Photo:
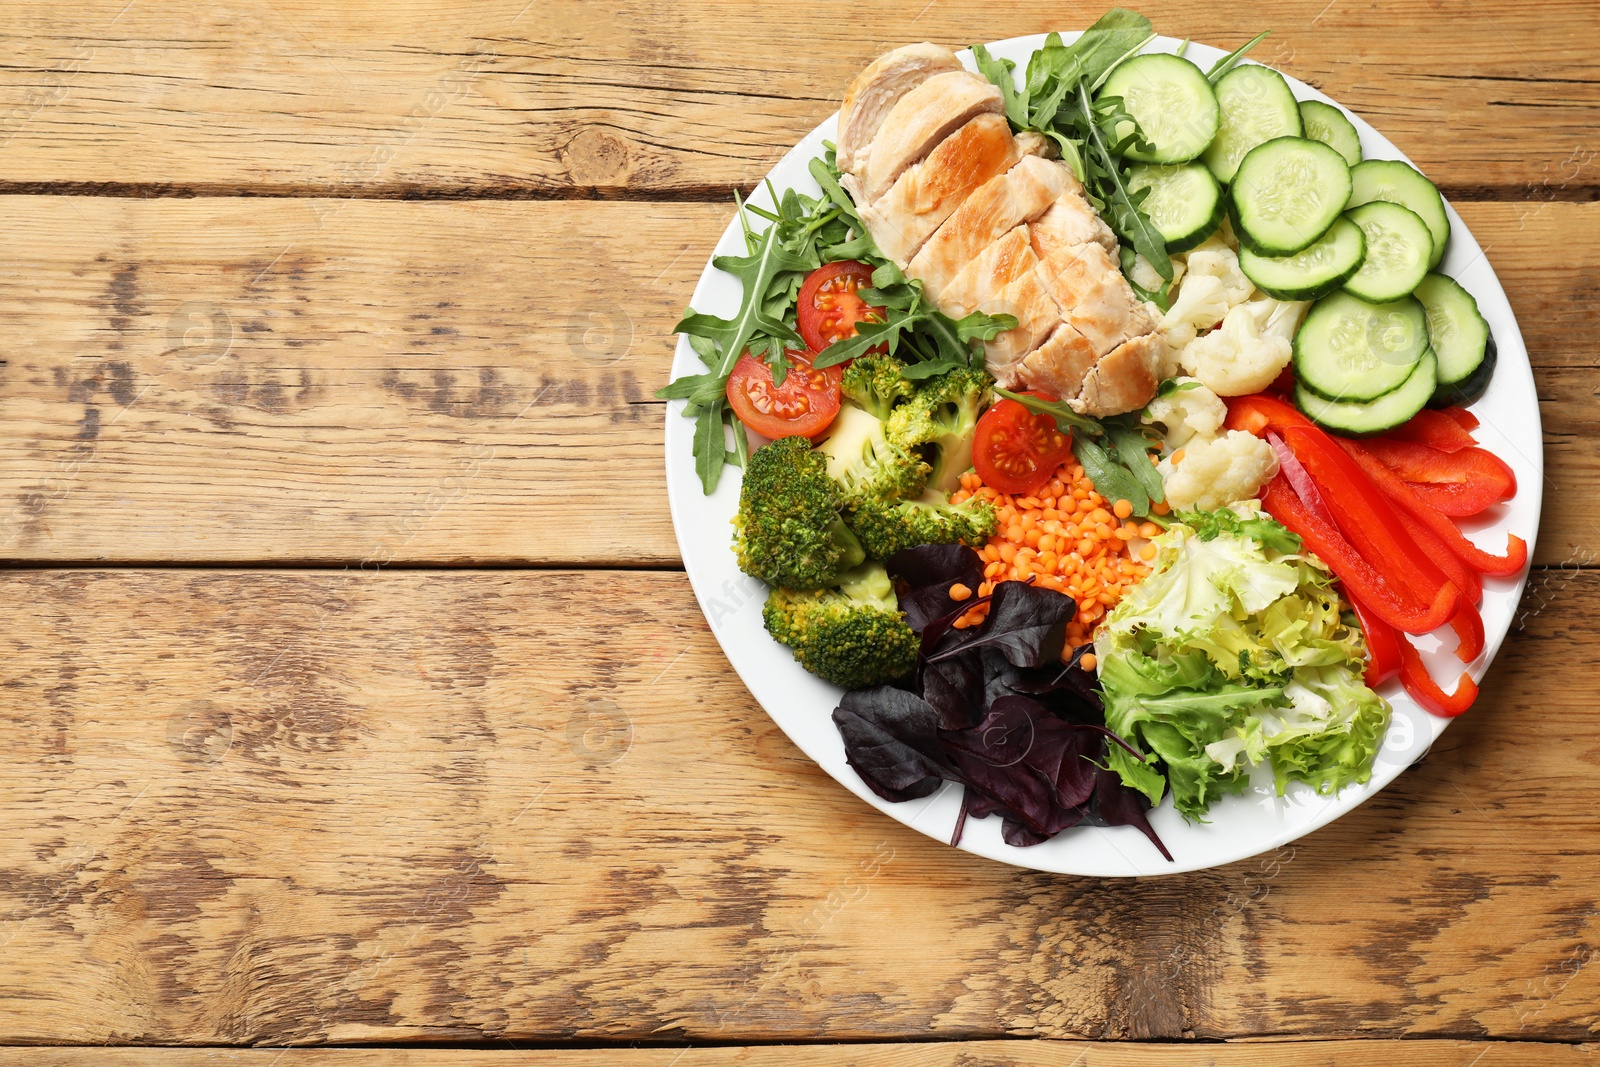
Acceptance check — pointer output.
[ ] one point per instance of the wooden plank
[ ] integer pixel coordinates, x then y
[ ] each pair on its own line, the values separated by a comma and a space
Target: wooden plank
508, 97
266, 808
339, 381
958, 1054
443, 383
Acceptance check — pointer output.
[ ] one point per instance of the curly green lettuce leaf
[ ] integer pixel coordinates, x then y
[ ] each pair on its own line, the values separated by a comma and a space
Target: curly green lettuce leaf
1236, 651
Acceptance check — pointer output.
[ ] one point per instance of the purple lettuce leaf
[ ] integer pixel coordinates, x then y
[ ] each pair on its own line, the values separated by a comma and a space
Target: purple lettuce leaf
891, 739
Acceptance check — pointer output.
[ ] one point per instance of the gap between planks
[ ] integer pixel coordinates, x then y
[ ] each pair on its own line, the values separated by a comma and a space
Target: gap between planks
707, 193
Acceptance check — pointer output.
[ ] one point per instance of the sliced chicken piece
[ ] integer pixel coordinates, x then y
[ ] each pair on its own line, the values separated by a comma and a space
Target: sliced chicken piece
1070, 221
920, 120
1037, 317
1003, 203
996, 267
1094, 296
1059, 366
1034, 143
927, 193
1123, 380
876, 90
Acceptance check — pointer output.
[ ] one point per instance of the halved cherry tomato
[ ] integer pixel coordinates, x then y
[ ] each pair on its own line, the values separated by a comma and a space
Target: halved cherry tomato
829, 307
803, 406
1016, 451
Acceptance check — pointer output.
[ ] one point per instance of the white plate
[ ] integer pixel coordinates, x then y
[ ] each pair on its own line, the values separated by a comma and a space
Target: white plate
1240, 827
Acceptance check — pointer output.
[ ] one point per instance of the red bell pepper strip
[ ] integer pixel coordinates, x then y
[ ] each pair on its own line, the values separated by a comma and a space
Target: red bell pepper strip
1258, 413
1405, 495
1383, 645
1467, 419
1468, 625
1364, 515
1467, 579
1425, 691
1394, 605
1435, 429
1457, 483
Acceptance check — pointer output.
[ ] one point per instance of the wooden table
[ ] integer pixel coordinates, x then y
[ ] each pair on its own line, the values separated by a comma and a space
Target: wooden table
353, 694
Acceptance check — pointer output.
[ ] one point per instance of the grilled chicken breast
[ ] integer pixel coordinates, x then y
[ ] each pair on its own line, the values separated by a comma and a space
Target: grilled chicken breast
1058, 366
990, 271
999, 206
1123, 379
1094, 297
877, 89
920, 120
1037, 317
1070, 221
930, 191
988, 221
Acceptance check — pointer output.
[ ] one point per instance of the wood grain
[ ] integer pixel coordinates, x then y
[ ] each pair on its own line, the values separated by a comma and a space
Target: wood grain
338, 382
959, 1054
508, 97
267, 808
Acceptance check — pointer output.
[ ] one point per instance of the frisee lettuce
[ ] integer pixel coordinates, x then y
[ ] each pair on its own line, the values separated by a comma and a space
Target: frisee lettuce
1236, 651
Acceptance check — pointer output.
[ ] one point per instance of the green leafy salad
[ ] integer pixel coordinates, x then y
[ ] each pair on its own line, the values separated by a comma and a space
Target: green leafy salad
1233, 652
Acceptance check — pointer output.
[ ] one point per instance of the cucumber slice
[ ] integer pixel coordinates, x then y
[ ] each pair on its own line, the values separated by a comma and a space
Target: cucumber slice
1401, 183
1185, 202
1354, 419
1326, 123
1459, 336
1313, 272
1351, 350
1286, 194
1399, 247
1256, 107
1171, 101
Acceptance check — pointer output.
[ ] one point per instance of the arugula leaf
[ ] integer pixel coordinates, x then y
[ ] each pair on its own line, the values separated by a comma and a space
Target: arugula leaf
1127, 219
1111, 479
1002, 73
1231, 60
1068, 420
1129, 54
710, 446
1133, 449
1113, 37
1173, 385
1161, 298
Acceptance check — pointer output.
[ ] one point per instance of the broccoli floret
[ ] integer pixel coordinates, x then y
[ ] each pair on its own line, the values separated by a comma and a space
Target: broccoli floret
865, 463
852, 636
938, 418
888, 526
789, 531
876, 383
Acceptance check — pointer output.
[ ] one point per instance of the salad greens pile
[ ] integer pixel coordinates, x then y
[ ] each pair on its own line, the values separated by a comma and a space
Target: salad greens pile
1235, 651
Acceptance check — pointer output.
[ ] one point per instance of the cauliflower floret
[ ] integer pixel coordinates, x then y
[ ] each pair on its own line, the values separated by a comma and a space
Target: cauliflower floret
1212, 284
1218, 471
1145, 275
1189, 411
1248, 350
